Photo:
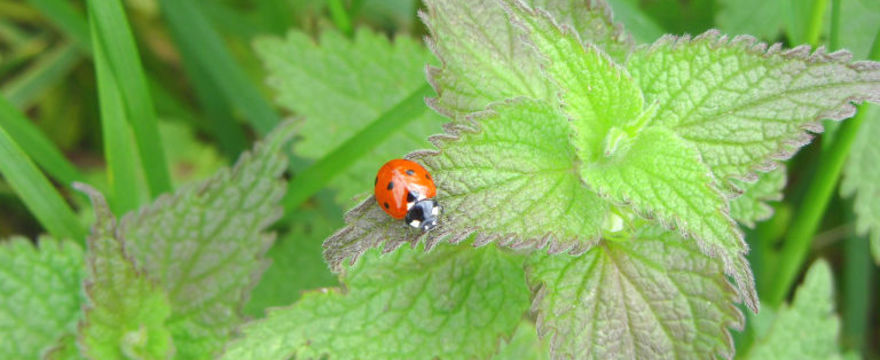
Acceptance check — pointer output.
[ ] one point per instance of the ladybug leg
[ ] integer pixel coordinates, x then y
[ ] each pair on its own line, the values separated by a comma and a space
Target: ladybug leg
411, 199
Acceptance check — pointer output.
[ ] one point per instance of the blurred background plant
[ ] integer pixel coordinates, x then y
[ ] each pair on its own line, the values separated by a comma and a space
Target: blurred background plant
195, 94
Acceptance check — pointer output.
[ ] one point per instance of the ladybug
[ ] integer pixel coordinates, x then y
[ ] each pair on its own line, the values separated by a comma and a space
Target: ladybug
405, 190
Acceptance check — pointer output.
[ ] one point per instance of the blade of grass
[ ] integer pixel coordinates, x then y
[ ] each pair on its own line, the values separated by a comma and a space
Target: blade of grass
277, 15
819, 192
817, 15
857, 286
340, 17
65, 17
34, 143
50, 69
309, 181
198, 40
111, 33
35, 190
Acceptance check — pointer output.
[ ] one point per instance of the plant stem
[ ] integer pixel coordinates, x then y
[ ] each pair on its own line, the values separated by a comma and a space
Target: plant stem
833, 45
819, 193
857, 285
340, 16
814, 29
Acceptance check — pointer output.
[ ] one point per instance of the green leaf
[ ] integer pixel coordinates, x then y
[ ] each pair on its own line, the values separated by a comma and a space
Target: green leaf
752, 206
744, 105
862, 179
807, 328
126, 313
592, 20
40, 298
453, 302
204, 245
502, 167
523, 345
339, 97
653, 296
860, 25
763, 19
661, 176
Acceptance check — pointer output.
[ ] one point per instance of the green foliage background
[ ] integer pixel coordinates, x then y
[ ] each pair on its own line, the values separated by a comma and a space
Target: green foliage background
194, 83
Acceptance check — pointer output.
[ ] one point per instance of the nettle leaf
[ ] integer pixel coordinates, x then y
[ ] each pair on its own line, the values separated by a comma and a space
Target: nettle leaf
126, 314
204, 244
743, 104
862, 178
454, 302
593, 21
650, 297
752, 206
523, 345
501, 178
340, 85
39, 294
807, 328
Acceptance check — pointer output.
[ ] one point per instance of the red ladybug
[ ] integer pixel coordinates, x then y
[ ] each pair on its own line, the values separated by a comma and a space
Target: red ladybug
405, 190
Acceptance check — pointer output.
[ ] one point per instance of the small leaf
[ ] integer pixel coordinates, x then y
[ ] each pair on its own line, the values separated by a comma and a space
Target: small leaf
744, 105
862, 179
504, 178
126, 313
751, 206
204, 245
339, 85
592, 20
453, 302
653, 296
39, 294
807, 328
661, 176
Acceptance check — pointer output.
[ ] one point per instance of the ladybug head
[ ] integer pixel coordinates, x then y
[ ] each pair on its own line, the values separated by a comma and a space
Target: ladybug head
424, 214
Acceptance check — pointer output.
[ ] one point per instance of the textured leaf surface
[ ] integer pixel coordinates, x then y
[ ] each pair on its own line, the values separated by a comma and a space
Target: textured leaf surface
655, 296
592, 20
506, 181
524, 345
752, 206
453, 302
340, 86
204, 245
807, 328
862, 178
126, 313
39, 294
661, 176
744, 105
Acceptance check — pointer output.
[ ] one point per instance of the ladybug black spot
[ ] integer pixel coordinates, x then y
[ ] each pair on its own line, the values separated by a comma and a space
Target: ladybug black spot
428, 176
410, 197
410, 172
386, 205
390, 185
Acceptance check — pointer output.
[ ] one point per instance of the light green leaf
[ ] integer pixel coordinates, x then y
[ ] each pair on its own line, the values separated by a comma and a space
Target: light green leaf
654, 296
763, 19
661, 176
340, 85
501, 178
39, 294
524, 345
752, 206
807, 328
126, 313
744, 105
592, 20
862, 178
204, 244
453, 302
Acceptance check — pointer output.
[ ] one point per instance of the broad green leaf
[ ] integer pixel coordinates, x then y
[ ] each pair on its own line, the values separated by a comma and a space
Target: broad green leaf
508, 177
752, 206
453, 302
654, 296
862, 178
592, 20
744, 105
39, 294
763, 19
807, 328
662, 177
204, 244
126, 313
340, 85
523, 345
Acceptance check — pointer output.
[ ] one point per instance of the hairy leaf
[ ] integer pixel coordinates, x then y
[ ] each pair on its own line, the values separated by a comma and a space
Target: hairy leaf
340, 85
862, 179
523, 345
661, 176
744, 105
204, 245
39, 294
126, 313
503, 178
654, 296
592, 20
807, 328
752, 206
453, 302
